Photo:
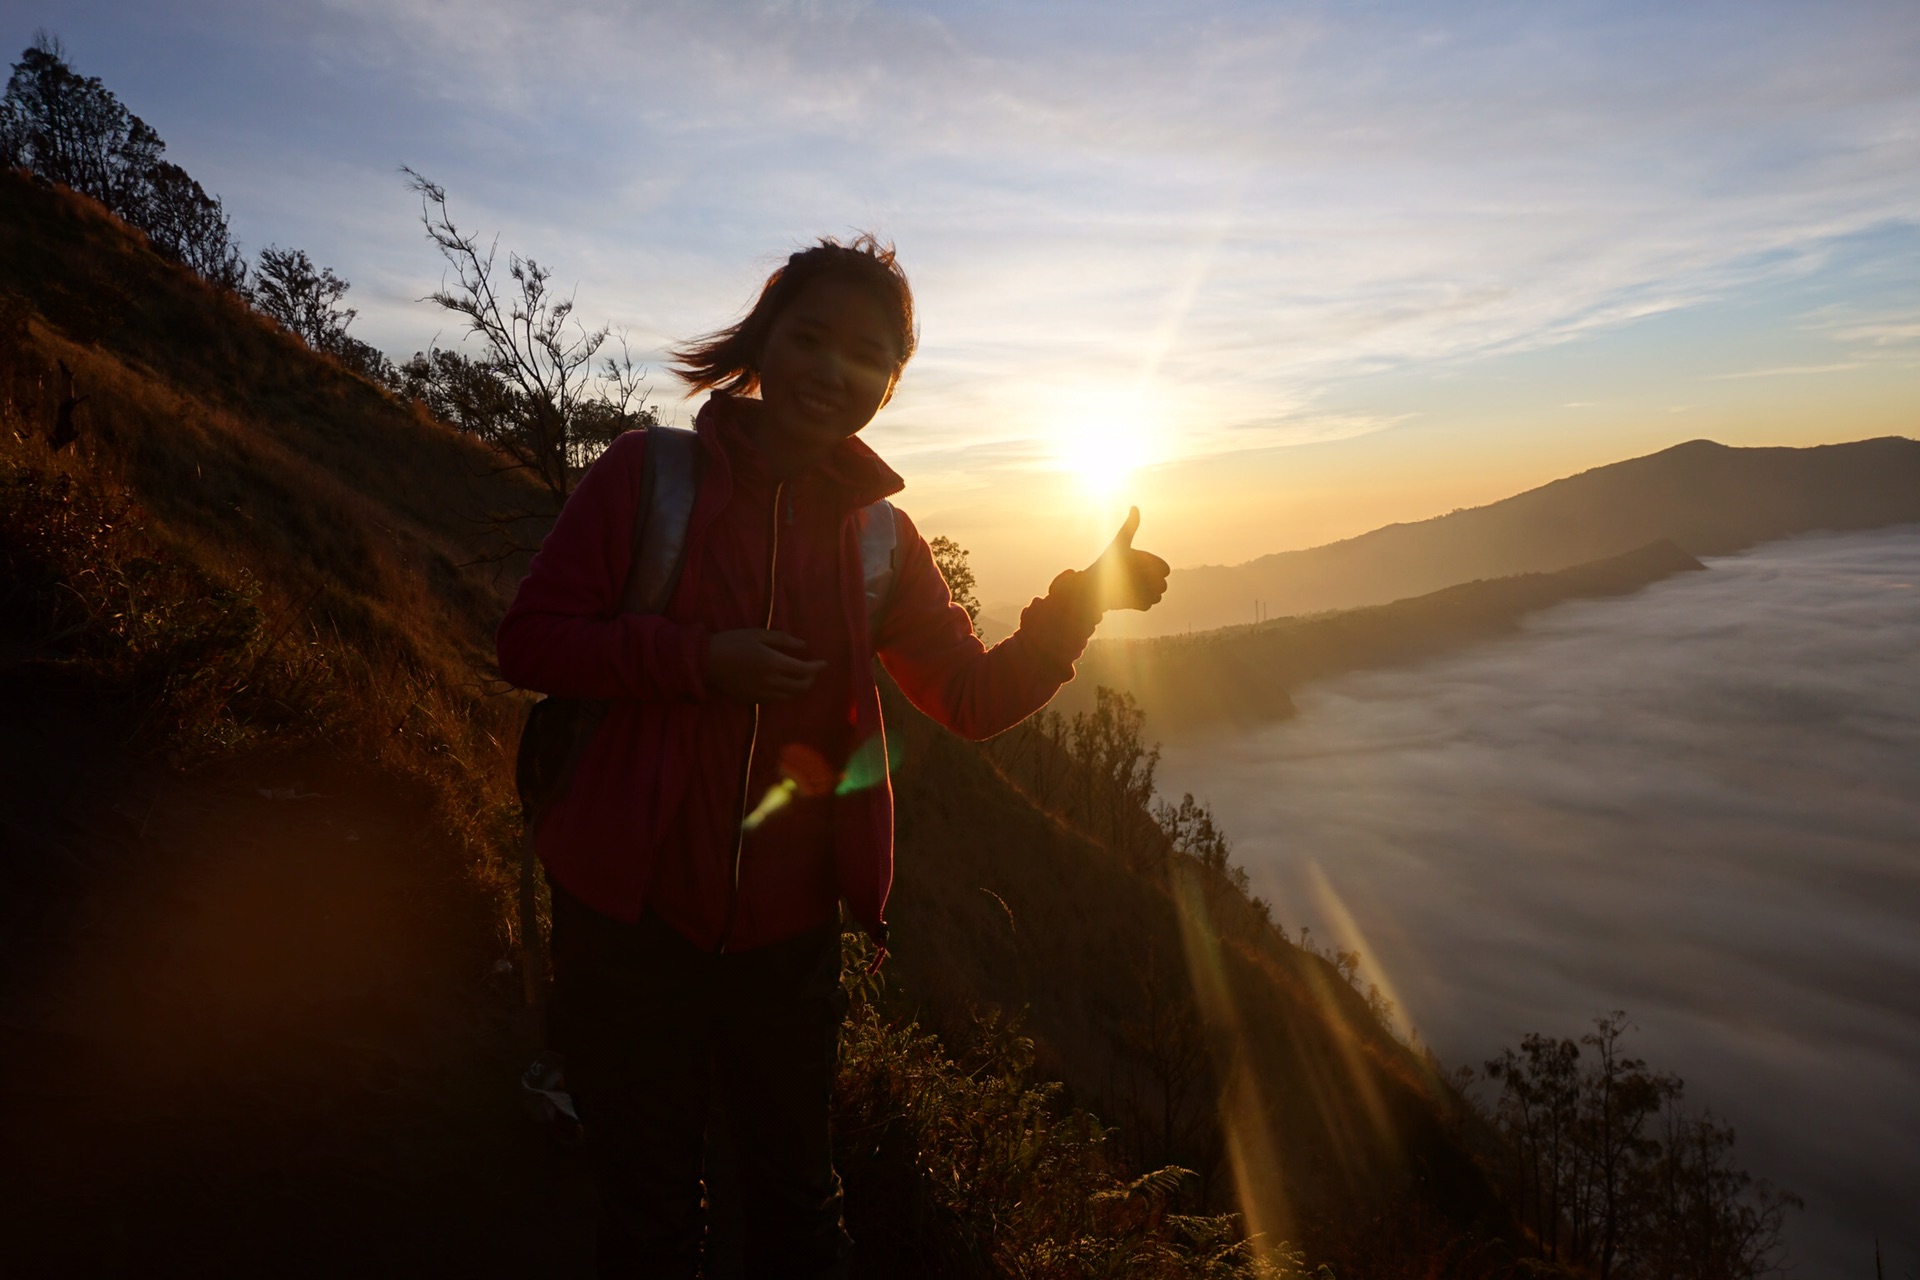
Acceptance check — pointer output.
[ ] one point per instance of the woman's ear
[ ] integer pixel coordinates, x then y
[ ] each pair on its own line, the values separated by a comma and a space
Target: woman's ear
892, 382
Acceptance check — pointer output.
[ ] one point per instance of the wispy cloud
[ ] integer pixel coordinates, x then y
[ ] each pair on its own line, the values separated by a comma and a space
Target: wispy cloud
1890, 331
1238, 209
1787, 371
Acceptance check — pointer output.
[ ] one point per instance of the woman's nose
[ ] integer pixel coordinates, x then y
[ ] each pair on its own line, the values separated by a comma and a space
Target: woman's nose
830, 368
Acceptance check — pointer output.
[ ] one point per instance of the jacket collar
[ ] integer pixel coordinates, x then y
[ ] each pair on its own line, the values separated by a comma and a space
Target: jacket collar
852, 469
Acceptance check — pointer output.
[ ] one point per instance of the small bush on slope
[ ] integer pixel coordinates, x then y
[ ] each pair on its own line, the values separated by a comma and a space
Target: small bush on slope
1003, 1180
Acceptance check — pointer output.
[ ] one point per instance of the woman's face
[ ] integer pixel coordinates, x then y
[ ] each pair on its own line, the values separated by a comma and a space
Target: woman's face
829, 363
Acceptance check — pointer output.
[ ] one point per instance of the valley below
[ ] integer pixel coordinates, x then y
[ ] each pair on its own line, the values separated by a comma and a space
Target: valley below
1699, 803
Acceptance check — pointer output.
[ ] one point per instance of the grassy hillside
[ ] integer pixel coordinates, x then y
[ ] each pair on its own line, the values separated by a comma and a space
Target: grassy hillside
1706, 498
251, 567
245, 548
252, 796
1241, 675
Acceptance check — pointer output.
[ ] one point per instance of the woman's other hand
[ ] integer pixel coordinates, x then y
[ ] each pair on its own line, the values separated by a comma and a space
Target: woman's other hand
759, 666
1125, 577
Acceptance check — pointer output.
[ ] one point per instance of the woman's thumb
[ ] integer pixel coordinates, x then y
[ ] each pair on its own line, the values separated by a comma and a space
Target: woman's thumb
1124, 538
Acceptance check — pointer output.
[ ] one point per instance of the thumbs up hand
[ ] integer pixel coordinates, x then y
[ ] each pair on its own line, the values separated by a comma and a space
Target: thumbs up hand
1125, 577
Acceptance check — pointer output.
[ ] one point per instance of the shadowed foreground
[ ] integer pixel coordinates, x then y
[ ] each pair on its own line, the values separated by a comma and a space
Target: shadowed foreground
256, 1036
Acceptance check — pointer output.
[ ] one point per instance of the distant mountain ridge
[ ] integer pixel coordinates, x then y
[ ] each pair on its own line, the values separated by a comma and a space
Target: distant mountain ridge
1242, 675
1706, 498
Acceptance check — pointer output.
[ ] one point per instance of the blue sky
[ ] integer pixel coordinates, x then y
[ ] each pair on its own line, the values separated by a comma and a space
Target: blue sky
1305, 269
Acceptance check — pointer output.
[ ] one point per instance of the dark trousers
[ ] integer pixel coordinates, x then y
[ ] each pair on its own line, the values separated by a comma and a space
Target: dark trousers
651, 1026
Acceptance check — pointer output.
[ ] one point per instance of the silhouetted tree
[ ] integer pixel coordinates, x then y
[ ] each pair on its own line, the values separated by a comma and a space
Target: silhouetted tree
1619, 1096
71, 129
475, 396
1702, 1218
1110, 742
367, 359
1191, 828
1611, 1175
560, 414
1115, 769
303, 297
620, 406
951, 559
1539, 1102
190, 226
460, 391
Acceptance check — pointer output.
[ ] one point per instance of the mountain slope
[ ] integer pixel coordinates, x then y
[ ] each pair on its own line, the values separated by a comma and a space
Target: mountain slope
1706, 498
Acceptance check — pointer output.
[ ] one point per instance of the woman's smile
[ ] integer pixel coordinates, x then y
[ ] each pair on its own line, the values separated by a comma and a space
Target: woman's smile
818, 406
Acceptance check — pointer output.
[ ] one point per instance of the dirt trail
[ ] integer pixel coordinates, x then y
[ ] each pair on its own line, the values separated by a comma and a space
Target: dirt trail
243, 1035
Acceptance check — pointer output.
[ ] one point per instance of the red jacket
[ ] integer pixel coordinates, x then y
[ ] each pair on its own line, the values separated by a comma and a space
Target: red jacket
655, 807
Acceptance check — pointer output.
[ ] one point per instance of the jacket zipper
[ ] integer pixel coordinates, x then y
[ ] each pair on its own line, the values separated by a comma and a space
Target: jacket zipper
753, 735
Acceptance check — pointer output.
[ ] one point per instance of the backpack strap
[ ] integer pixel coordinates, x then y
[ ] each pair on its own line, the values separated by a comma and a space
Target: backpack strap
879, 556
558, 729
669, 484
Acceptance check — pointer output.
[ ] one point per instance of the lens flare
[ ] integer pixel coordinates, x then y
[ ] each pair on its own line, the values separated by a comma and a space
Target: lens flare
805, 772
1347, 930
1258, 1177
778, 797
866, 768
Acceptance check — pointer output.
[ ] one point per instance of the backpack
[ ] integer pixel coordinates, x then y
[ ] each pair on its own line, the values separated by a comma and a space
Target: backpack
558, 730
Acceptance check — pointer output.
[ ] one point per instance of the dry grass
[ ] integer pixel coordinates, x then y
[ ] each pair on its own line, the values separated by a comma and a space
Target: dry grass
958, 1158
247, 548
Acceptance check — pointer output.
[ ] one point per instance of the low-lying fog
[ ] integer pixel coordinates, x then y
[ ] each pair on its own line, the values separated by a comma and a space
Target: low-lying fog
1700, 804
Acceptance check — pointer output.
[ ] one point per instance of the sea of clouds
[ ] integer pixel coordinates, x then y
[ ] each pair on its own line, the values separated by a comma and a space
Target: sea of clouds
1700, 804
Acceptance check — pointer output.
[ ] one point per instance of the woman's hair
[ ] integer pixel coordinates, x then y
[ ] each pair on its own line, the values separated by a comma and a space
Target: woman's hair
729, 360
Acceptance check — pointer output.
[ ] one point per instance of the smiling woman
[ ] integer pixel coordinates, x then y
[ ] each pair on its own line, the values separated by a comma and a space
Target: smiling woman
733, 797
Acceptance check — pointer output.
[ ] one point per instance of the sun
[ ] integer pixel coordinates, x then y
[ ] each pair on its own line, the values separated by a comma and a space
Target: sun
1101, 439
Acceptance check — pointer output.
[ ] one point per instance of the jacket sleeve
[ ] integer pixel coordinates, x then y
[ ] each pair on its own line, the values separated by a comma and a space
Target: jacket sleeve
927, 644
564, 633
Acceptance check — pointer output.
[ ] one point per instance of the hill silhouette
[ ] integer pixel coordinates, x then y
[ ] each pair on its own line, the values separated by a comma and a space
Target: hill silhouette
1241, 675
259, 821
1706, 498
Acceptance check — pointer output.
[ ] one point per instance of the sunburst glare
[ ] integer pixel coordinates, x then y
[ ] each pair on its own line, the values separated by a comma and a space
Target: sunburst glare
1101, 437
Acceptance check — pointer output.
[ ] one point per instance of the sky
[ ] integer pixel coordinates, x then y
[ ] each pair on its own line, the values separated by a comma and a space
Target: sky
1278, 273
